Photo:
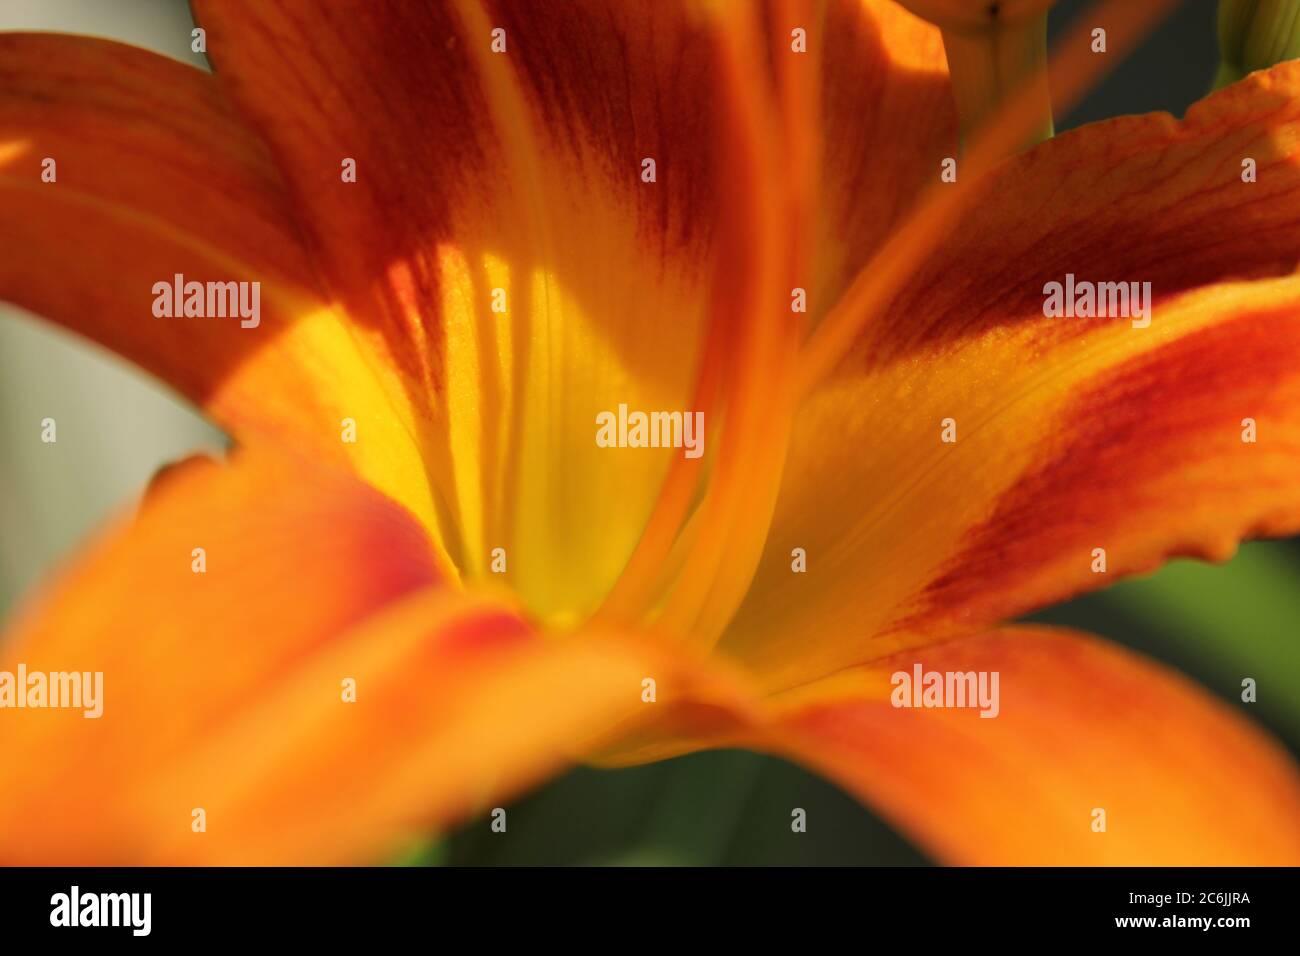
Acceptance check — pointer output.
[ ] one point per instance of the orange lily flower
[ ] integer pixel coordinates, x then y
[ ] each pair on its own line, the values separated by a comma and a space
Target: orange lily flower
421, 585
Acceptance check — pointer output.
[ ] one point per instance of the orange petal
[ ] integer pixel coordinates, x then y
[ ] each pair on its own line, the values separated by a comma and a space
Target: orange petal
155, 176
887, 123
511, 178
1082, 726
1071, 434
224, 690
459, 705
187, 639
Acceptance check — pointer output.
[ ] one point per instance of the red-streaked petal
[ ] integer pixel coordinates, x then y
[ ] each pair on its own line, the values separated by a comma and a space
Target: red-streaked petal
519, 171
155, 176
1071, 434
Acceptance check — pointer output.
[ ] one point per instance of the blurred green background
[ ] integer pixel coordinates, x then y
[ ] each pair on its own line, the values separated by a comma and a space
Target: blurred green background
1218, 624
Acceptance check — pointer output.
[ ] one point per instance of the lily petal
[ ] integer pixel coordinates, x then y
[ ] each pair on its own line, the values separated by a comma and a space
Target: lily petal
1071, 434
224, 690
888, 122
155, 177
500, 161
1083, 726
460, 705
230, 578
